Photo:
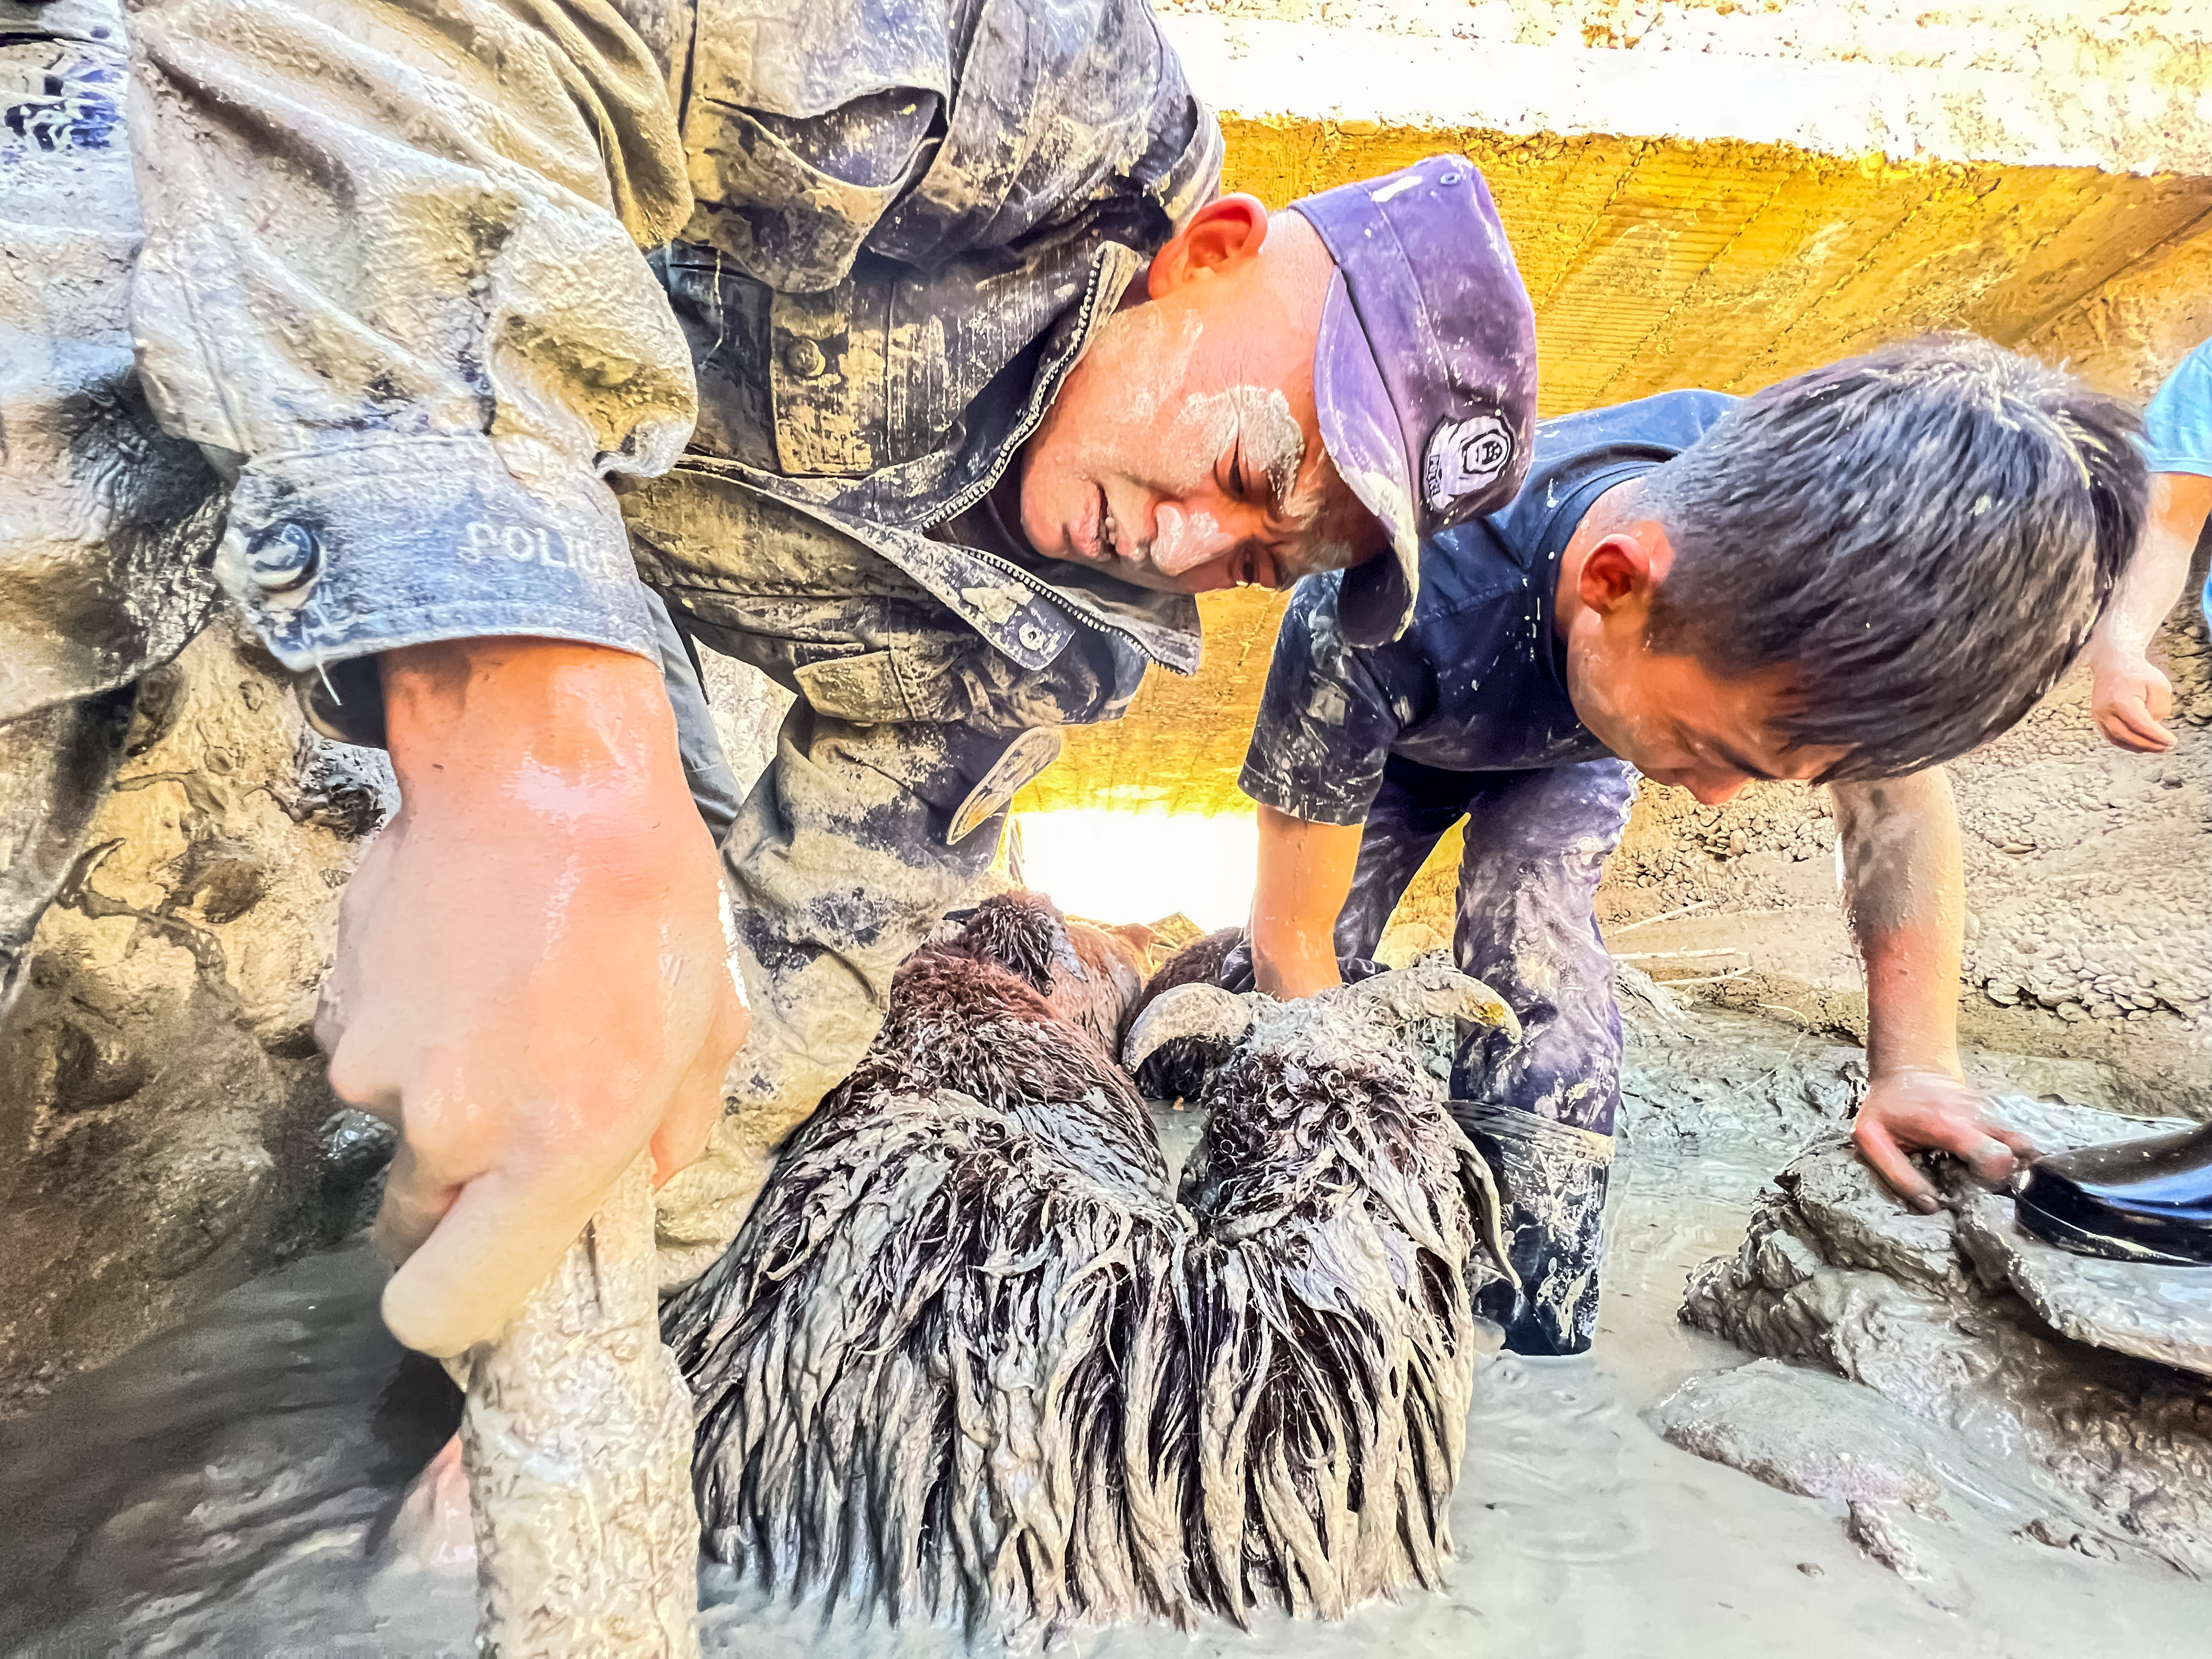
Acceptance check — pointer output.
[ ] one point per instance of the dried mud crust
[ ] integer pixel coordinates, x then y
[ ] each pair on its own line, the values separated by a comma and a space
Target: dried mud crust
1929, 1386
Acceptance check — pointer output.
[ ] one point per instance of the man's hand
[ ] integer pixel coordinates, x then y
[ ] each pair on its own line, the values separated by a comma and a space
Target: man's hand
2129, 696
1904, 889
531, 980
1909, 1110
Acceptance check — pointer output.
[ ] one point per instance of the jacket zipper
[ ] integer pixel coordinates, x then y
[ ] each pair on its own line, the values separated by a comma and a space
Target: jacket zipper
1032, 419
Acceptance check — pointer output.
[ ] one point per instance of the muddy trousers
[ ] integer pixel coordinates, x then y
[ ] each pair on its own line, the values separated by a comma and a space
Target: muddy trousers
1541, 1109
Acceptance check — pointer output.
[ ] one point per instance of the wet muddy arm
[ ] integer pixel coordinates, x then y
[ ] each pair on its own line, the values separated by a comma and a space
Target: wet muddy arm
392, 285
1904, 889
530, 981
1313, 767
530, 977
577, 1438
1305, 874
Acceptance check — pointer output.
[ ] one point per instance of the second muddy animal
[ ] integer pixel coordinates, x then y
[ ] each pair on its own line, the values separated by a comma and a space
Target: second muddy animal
974, 1360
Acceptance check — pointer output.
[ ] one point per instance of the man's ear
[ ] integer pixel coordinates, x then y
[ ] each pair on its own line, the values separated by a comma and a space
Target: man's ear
1225, 233
1617, 573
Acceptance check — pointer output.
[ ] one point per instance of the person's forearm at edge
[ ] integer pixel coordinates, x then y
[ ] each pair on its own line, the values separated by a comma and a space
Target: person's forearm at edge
2129, 696
1903, 890
1306, 872
530, 978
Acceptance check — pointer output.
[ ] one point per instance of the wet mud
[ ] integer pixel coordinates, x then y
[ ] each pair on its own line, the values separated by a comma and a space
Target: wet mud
232, 1487
1956, 1377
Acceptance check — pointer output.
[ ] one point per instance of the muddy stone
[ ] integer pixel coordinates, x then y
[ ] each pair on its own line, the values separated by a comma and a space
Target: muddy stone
1902, 1484
2145, 1308
1944, 1333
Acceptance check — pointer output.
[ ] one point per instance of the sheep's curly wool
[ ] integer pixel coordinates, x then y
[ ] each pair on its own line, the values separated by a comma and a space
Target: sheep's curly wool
971, 1361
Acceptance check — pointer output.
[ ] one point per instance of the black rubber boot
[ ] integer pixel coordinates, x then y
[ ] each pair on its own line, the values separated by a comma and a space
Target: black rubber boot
2130, 1200
1552, 1179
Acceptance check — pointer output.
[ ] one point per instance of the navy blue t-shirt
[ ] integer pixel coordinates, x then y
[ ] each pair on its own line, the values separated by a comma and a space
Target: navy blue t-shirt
1478, 681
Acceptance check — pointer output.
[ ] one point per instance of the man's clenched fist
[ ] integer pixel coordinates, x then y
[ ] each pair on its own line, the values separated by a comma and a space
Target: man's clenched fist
531, 980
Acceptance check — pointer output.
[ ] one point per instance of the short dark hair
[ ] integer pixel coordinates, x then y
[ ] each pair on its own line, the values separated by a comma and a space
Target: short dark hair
1925, 536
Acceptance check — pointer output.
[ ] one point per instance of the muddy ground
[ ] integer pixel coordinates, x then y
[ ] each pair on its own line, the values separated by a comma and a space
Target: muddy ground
231, 1487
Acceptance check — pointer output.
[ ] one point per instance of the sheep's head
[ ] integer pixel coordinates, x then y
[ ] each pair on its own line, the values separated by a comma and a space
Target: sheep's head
1219, 1020
1023, 933
1290, 1079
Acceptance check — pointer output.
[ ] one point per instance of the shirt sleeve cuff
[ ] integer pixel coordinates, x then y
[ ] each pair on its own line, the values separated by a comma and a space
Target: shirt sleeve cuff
1343, 803
339, 555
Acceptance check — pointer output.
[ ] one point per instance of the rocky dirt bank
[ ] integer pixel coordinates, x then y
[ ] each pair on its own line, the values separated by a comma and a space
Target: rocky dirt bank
1951, 1373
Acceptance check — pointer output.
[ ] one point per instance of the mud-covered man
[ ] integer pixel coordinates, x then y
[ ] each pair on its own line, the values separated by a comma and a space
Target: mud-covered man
1847, 579
987, 385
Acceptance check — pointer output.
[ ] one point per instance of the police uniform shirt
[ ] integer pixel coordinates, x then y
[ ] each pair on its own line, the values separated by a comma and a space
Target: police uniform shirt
1478, 681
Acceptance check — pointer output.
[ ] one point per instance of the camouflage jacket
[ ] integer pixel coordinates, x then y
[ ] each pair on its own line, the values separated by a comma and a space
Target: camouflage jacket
392, 282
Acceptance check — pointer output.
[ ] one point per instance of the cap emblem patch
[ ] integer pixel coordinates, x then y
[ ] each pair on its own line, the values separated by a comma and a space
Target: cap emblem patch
1464, 456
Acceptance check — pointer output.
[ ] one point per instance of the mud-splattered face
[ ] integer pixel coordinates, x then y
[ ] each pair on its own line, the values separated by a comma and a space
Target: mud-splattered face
1672, 719
1184, 452
1666, 713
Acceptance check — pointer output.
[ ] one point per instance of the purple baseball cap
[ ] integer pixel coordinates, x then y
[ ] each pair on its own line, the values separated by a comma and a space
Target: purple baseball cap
1425, 372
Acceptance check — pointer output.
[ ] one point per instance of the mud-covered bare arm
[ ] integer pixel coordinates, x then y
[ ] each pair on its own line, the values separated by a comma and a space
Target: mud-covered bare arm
1306, 872
1904, 889
1315, 761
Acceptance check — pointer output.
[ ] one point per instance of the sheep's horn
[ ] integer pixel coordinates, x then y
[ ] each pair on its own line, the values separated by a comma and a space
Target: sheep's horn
1426, 992
1195, 1010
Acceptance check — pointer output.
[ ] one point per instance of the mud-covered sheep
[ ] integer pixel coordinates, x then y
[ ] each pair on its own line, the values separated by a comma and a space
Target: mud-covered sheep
1091, 975
972, 1360
1115, 961
1178, 1068
1199, 962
